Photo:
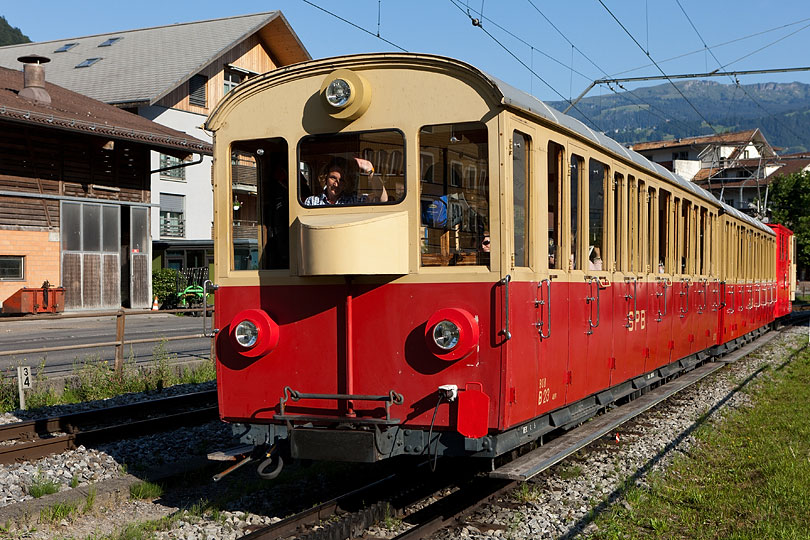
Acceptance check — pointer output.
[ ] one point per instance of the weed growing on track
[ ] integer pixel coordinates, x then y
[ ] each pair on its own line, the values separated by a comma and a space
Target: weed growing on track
94, 379
57, 512
145, 490
41, 486
746, 478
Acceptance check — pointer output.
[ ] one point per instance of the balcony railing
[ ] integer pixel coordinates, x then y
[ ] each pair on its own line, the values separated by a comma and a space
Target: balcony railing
175, 228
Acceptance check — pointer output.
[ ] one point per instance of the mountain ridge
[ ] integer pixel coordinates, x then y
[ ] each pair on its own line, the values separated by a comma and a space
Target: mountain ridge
780, 110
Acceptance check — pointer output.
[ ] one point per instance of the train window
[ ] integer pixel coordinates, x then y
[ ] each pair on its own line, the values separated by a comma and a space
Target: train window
686, 239
353, 168
576, 180
632, 223
618, 229
651, 236
260, 224
597, 174
678, 230
664, 264
701, 242
454, 214
520, 197
641, 227
555, 167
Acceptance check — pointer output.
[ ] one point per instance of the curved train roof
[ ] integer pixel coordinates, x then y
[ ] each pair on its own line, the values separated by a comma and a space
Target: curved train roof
510, 96
524, 101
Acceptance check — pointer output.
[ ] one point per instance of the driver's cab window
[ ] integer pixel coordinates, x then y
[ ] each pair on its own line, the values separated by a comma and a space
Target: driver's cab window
454, 195
349, 169
259, 205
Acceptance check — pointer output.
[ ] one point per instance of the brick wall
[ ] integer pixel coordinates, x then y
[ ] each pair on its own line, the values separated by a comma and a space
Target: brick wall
41, 252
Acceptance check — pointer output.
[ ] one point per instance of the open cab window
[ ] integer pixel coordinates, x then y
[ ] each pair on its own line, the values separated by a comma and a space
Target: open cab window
352, 169
260, 207
454, 174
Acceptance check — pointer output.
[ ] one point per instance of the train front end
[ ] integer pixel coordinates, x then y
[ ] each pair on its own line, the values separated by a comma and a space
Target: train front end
356, 292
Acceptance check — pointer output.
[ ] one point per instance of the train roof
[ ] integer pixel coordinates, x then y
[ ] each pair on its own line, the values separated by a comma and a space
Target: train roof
513, 97
509, 96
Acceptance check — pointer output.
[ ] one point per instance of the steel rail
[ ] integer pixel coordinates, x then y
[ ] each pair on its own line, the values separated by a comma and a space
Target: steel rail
82, 428
479, 491
28, 451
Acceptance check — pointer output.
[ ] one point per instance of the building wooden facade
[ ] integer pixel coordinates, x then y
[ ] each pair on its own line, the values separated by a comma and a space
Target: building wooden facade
75, 195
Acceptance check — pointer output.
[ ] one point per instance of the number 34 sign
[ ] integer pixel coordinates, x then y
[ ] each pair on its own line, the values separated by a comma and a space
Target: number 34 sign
24, 375
23, 381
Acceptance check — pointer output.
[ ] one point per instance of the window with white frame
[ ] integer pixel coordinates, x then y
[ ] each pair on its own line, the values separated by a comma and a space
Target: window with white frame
232, 79
172, 215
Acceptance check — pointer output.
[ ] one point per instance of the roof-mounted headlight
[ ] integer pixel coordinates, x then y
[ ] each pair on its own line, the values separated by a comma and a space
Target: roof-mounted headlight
346, 94
338, 93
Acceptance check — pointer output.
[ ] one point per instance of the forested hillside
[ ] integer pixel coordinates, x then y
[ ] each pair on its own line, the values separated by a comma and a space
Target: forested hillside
780, 110
10, 35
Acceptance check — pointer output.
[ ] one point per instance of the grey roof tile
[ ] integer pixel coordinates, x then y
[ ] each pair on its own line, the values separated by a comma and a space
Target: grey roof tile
145, 64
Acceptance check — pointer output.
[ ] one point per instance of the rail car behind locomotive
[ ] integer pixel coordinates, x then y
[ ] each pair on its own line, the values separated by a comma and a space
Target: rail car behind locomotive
414, 258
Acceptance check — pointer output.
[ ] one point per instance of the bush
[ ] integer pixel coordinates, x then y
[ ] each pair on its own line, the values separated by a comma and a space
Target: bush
164, 285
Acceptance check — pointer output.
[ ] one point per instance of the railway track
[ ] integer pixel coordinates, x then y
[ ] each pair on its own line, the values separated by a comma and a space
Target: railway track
342, 518
38, 438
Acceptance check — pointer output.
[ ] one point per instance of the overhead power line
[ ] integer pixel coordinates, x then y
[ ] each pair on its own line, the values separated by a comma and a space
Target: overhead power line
734, 79
477, 22
350, 23
659, 67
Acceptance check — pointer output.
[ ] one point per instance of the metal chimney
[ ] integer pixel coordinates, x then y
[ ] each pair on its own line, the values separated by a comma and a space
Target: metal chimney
34, 77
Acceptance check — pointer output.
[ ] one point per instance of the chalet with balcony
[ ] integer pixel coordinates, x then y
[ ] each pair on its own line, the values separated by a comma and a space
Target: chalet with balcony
173, 75
75, 199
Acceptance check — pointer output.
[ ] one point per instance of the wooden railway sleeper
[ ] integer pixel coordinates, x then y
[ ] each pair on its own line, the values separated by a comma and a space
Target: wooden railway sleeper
539, 303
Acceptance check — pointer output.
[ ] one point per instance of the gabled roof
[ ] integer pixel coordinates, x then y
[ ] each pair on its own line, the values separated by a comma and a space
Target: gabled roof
724, 138
145, 65
74, 112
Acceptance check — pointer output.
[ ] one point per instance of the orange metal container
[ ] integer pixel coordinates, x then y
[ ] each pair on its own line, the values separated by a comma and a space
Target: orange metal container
36, 300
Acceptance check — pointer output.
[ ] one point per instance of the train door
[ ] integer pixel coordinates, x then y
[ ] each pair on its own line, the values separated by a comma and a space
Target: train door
552, 300
619, 363
683, 288
519, 283
636, 314
589, 338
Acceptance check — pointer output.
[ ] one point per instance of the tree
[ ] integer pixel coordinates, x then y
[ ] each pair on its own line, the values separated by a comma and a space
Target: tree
791, 208
11, 35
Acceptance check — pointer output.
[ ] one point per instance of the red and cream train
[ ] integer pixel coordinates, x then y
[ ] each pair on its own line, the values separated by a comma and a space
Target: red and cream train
504, 271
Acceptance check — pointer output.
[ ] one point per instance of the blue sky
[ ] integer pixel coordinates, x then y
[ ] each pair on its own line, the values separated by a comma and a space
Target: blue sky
566, 43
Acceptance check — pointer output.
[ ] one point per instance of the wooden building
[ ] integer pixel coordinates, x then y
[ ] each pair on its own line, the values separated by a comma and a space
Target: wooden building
173, 75
75, 199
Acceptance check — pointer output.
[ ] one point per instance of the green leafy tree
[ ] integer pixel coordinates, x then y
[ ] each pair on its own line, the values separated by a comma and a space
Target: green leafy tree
790, 205
11, 35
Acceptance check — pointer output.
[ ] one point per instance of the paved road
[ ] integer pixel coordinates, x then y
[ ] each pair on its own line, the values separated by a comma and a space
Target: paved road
18, 334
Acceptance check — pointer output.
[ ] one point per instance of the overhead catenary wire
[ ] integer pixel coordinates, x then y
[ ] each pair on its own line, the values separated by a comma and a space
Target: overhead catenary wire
650, 107
723, 44
734, 80
477, 22
377, 35
714, 129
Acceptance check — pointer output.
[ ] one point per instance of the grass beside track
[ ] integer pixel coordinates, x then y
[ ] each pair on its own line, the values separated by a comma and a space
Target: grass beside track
746, 478
93, 379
